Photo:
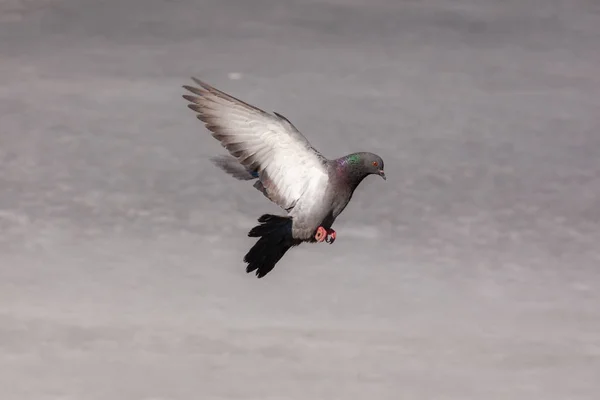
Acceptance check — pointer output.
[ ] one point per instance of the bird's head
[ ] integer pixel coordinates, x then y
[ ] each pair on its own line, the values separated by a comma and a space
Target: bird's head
372, 164
359, 165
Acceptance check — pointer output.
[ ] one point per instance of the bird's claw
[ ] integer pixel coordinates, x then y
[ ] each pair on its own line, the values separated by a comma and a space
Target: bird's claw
327, 235
330, 236
321, 234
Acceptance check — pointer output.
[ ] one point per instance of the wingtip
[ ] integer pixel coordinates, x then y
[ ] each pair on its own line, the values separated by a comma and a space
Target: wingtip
189, 98
195, 107
199, 82
192, 89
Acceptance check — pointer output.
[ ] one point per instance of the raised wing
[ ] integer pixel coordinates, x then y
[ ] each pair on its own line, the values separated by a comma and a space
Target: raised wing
288, 166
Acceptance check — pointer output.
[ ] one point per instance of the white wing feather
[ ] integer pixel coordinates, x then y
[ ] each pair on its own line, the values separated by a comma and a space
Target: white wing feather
289, 168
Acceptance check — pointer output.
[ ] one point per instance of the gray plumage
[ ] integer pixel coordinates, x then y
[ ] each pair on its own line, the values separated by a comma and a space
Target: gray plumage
232, 166
312, 189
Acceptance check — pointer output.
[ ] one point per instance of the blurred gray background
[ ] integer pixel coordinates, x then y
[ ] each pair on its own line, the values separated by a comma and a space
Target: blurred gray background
472, 273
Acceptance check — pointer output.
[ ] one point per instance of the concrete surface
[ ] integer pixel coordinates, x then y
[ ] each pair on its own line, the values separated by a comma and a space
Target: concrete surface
472, 273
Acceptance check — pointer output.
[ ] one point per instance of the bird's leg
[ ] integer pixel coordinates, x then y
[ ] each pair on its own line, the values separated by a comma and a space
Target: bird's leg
321, 234
330, 236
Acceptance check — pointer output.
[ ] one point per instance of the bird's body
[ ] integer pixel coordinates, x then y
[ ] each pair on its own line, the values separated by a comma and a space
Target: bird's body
312, 189
312, 212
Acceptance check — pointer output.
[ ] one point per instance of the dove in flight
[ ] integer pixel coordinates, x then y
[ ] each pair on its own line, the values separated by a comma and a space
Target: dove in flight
268, 149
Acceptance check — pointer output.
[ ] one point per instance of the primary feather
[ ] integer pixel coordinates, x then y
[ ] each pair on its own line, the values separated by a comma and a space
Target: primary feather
289, 168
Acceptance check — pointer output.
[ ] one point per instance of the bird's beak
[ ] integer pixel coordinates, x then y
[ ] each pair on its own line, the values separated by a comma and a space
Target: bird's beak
382, 174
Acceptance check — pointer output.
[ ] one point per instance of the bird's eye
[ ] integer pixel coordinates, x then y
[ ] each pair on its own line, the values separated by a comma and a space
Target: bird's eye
375, 163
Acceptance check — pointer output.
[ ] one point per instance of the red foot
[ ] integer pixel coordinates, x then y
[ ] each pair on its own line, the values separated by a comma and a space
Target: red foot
321, 234
327, 235
330, 236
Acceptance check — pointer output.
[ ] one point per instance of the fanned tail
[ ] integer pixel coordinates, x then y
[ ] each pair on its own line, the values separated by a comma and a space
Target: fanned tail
276, 239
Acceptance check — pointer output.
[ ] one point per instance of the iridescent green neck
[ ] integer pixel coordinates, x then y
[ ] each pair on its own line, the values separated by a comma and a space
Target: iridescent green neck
349, 160
350, 169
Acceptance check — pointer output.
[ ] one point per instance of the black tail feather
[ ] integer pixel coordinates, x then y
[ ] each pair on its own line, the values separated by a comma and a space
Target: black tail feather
276, 239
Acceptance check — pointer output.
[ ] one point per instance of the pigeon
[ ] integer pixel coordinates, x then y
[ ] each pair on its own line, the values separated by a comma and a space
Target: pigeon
268, 149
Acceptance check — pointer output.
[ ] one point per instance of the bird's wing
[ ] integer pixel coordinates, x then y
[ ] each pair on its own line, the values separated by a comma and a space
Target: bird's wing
289, 167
